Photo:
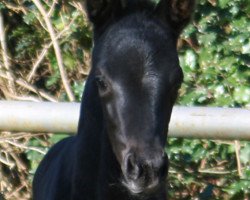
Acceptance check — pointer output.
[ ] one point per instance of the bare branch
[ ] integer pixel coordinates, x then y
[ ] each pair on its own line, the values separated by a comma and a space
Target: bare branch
57, 49
52, 8
5, 55
31, 88
15, 8
6, 162
79, 7
7, 135
22, 146
45, 50
237, 152
21, 98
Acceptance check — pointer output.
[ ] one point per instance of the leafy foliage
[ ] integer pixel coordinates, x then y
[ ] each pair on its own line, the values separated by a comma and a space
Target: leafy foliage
217, 65
214, 55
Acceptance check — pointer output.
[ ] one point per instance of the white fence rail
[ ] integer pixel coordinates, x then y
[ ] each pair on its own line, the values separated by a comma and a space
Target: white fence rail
187, 122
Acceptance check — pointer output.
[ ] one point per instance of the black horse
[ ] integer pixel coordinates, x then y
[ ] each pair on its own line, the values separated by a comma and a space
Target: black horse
118, 153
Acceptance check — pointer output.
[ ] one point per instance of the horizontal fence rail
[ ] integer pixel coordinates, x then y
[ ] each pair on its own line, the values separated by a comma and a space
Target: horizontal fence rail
186, 122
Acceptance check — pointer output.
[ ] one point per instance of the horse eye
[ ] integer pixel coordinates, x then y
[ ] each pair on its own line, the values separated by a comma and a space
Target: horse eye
102, 85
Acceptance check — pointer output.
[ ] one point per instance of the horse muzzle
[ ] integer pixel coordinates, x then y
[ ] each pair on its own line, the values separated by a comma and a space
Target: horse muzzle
144, 174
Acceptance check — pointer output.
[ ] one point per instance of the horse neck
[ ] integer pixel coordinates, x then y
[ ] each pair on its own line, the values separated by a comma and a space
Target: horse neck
90, 126
95, 162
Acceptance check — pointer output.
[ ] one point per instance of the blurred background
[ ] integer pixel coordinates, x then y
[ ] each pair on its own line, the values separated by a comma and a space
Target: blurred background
45, 56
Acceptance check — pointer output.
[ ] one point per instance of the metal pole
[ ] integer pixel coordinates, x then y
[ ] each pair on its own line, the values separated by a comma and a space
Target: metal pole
210, 123
19, 116
186, 122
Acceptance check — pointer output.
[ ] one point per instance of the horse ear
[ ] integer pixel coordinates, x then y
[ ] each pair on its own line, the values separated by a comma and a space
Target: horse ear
176, 12
100, 11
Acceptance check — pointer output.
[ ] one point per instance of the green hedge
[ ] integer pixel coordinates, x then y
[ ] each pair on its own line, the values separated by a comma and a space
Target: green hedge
215, 57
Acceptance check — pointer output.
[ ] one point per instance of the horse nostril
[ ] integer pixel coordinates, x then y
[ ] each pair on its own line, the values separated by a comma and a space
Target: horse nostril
144, 173
132, 169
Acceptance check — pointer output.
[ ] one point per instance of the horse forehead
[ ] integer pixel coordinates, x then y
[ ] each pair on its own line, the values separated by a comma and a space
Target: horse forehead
133, 51
135, 33
138, 40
